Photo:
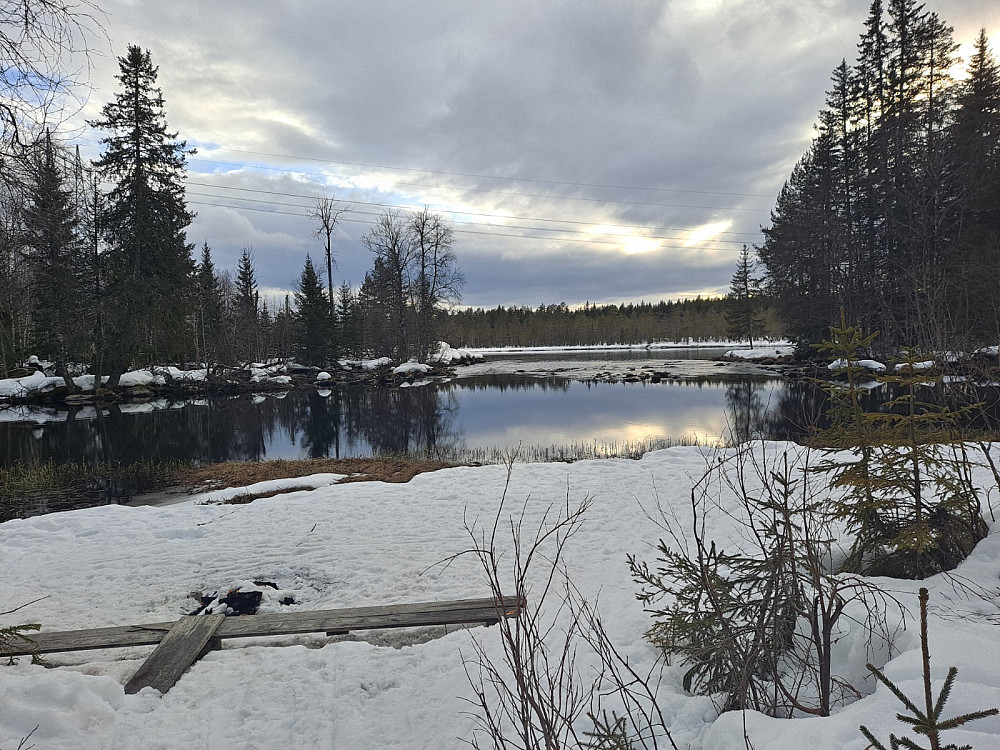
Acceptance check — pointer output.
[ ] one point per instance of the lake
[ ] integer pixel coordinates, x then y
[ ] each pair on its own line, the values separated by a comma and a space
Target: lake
548, 405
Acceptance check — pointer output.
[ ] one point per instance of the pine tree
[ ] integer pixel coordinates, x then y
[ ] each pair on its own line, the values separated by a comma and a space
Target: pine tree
312, 318
149, 265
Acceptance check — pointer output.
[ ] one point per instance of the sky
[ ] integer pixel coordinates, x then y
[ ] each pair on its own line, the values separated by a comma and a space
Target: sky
598, 151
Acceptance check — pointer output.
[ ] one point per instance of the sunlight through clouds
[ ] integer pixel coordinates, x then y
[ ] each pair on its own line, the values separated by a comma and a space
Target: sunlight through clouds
706, 232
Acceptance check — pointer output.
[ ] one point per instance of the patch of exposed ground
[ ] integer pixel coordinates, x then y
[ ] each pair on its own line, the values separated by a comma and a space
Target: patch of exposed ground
241, 474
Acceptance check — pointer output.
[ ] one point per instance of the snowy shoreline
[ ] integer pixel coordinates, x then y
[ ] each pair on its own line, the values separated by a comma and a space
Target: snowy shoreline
371, 543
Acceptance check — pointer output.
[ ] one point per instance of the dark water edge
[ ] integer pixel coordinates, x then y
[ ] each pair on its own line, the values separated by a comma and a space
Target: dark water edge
466, 420
461, 416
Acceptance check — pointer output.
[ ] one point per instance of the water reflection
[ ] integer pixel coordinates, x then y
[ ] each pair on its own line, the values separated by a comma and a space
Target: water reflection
496, 411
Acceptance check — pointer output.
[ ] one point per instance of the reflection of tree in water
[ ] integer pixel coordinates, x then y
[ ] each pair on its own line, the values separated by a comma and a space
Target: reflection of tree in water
747, 410
506, 382
321, 428
398, 420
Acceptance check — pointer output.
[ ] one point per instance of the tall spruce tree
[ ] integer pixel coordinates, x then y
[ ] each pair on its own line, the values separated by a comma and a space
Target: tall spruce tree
975, 174
210, 306
56, 262
246, 323
875, 216
743, 314
148, 265
312, 317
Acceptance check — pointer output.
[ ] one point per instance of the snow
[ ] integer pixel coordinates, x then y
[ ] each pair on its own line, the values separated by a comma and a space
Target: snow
444, 354
411, 368
905, 366
335, 545
654, 345
762, 352
868, 364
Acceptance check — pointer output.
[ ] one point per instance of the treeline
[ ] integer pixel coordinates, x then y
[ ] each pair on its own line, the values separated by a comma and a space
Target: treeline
892, 214
95, 266
699, 319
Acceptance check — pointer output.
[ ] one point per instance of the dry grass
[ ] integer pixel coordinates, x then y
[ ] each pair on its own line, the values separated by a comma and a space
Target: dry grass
241, 474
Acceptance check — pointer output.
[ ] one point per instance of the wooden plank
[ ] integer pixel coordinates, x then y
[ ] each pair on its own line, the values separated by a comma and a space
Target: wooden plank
369, 618
290, 623
180, 648
81, 640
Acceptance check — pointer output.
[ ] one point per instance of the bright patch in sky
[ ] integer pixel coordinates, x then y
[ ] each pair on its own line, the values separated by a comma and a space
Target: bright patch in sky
706, 232
628, 239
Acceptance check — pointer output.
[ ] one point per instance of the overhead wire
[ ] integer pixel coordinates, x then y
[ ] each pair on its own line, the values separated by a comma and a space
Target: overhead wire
459, 212
575, 240
535, 180
546, 196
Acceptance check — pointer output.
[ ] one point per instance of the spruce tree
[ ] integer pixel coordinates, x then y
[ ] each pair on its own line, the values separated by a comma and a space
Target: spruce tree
312, 318
149, 265
246, 308
210, 306
743, 314
56, 262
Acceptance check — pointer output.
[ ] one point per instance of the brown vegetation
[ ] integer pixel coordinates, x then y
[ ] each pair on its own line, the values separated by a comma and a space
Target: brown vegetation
241, 474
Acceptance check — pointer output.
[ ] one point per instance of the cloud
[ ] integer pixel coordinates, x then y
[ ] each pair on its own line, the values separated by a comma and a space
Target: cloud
659, 116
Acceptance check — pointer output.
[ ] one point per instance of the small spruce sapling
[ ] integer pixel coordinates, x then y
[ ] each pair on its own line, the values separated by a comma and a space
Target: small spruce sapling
928, 721
12, 633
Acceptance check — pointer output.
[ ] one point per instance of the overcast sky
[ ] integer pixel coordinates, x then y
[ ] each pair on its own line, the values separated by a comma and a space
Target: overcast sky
583, 150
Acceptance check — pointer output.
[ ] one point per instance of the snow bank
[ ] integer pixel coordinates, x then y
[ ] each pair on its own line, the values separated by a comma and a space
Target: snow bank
868, 364
444, 354
411, 368
357, 544
761, 352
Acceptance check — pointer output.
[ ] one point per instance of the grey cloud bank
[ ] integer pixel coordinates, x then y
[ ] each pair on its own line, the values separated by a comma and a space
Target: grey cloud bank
638, 122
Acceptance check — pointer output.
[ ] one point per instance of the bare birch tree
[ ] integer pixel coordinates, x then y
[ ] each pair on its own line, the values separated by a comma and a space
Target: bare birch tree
327, 212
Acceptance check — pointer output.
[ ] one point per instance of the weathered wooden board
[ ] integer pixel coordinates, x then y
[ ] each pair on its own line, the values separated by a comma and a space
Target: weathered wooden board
82, 640
369, 618
180, 648
319, 621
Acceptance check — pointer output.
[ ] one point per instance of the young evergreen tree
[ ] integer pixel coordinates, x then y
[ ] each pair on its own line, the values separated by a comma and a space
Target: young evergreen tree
347, 319
743, 315
148, 265
312, 317
210, 306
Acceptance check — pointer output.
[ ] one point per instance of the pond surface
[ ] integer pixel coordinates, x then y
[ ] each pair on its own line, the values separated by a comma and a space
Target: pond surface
544, 405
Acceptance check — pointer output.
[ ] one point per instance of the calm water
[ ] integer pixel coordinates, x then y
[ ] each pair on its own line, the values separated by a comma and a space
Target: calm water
486, 412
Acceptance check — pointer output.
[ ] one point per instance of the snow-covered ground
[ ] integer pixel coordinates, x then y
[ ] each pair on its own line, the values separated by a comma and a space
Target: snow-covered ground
342, 545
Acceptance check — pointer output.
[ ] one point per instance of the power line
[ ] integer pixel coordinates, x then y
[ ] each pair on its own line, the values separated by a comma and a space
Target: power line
589, 241
460, 212
492, 177
616, 201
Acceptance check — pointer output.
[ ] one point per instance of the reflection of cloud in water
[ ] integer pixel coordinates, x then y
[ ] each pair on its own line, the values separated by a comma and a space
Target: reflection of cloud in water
596, 413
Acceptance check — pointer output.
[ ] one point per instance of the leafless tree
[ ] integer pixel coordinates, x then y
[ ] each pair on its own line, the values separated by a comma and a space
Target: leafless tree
327, 212
40, 43
438, 278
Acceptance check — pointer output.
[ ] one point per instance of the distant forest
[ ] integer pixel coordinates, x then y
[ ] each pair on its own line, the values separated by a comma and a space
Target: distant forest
692, 320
